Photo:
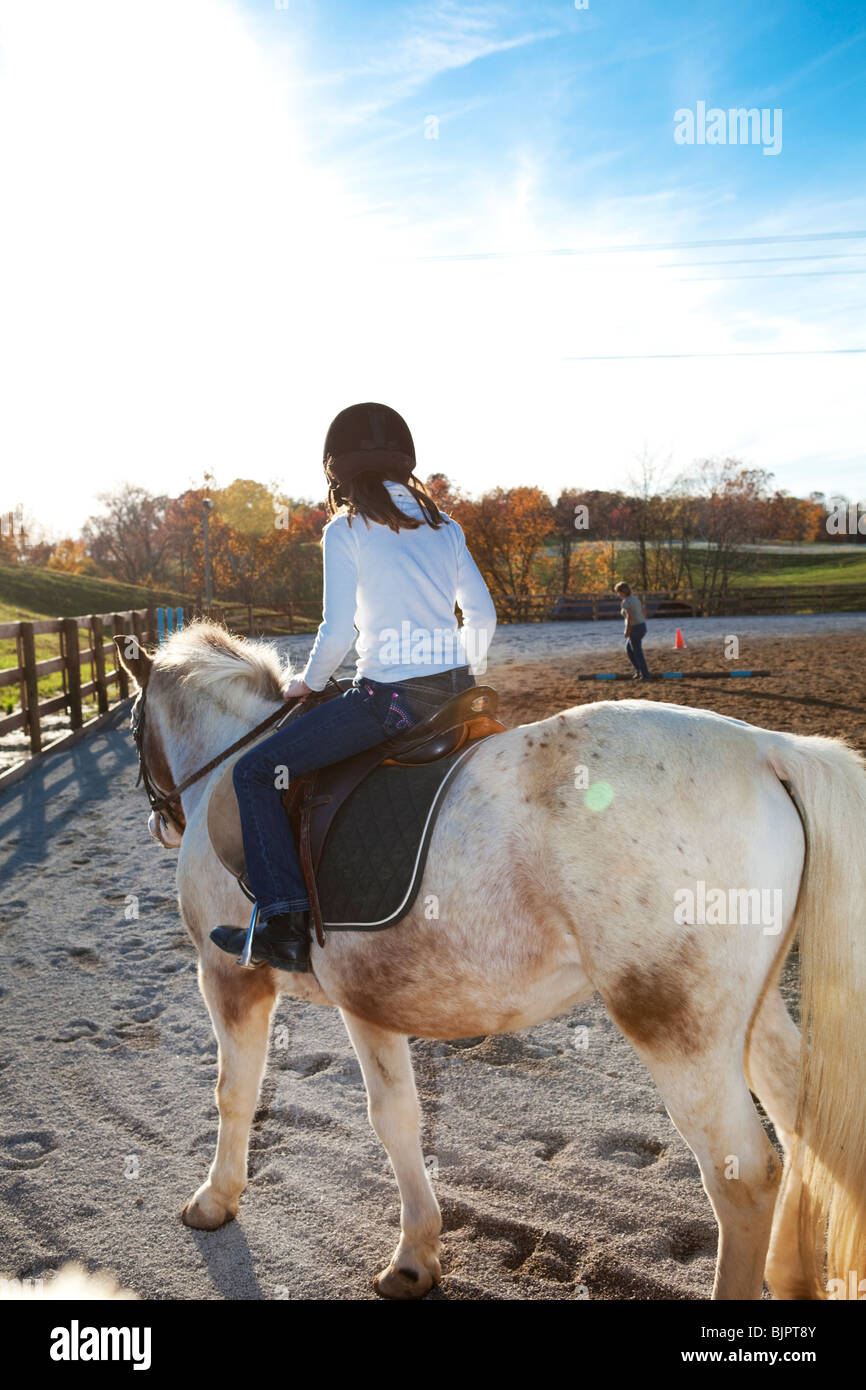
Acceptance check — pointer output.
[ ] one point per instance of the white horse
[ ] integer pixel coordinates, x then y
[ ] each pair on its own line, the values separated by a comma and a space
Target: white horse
563, 861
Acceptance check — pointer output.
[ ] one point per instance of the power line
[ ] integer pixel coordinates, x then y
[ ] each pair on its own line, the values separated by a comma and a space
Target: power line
649, 246
760, 260
680, 356
773, 275
763, 260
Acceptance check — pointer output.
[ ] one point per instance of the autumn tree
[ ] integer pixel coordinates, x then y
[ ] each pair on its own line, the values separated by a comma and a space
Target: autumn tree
22, 539
793, 518
184, 524
129, 540
651, 516
445, 494
70, 556
730, 512
294, 570
268, 550
585, 519
245, 509
506, 531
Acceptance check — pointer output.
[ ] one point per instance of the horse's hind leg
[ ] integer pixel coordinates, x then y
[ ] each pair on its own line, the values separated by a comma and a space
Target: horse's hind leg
240, 1003
772, 1066
709, 1102
395, 1116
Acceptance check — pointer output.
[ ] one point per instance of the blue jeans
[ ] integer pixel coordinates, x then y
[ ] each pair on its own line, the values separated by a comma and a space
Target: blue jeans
634, 650
366, 714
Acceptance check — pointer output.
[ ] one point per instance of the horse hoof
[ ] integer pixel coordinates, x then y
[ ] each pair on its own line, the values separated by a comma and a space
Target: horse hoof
205, 1212
405, 1282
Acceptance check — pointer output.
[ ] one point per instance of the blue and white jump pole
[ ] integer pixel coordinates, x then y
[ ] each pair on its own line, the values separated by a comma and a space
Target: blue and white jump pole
168, 620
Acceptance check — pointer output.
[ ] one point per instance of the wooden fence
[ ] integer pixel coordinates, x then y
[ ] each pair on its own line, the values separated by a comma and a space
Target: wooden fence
595, 606
303, 616
107, 685
257, 620
788, 598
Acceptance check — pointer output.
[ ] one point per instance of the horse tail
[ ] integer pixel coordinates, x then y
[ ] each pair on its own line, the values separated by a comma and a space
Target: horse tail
825, 1174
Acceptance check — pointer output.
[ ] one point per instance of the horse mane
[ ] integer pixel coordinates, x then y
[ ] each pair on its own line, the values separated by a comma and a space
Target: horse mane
205, 655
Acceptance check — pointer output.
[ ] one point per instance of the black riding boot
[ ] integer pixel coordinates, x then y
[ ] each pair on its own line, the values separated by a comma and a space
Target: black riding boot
283, 941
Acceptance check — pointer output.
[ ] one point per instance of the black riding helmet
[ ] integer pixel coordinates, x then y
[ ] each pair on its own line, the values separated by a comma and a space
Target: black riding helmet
369, 438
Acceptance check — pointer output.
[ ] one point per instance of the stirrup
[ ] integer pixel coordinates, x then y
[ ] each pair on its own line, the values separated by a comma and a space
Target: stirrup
291, 954
245, 957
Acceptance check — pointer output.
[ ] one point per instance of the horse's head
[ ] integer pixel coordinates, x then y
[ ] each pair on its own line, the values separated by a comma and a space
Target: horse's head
194, 693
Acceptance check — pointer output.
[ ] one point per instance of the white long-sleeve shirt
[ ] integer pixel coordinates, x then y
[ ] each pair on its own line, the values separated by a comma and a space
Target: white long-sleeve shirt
399, 589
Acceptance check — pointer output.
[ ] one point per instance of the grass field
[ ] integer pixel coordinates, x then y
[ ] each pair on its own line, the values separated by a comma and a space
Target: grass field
778, 570
39, 593
771, 568
33, 593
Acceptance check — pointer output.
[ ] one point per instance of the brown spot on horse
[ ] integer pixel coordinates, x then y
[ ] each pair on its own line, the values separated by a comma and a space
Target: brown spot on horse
653, 1004
239, 992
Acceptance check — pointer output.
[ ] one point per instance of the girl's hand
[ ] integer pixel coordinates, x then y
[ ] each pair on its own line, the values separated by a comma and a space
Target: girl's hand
297, 689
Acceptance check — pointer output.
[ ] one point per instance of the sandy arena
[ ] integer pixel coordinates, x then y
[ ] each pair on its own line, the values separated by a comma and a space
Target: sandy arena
559, 1173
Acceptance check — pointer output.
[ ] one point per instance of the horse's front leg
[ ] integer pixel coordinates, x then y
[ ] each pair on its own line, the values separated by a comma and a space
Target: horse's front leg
395, 1116
240, 1003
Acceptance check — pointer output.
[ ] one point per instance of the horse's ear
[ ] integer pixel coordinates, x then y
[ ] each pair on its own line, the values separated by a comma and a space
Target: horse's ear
133, 658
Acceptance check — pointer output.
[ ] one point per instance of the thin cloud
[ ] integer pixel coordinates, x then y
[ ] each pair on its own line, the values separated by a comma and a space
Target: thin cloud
443, 40
799, 73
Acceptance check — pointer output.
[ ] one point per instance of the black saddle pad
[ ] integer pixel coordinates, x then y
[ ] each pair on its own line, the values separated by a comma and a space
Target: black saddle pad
373, 859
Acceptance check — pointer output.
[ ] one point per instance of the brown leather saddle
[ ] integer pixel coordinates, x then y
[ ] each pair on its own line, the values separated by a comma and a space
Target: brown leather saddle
313, 801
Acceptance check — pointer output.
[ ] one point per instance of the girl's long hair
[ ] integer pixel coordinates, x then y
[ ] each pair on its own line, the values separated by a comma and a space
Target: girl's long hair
366, 496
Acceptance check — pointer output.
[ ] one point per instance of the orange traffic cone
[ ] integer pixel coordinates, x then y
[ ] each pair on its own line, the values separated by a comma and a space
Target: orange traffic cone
679, 644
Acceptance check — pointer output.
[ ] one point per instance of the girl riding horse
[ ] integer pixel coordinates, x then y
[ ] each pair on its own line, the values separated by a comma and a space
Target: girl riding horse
394, 565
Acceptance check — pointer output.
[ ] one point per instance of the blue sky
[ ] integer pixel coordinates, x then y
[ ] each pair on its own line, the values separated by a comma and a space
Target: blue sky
226, 221
583, 99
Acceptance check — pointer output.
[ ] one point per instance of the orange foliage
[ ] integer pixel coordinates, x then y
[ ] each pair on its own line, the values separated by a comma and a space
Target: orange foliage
506, 531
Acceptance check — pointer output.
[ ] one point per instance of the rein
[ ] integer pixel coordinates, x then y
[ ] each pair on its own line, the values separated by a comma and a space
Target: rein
161, 801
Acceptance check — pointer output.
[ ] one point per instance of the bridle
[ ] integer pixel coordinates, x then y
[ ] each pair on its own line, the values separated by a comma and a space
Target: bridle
160, 801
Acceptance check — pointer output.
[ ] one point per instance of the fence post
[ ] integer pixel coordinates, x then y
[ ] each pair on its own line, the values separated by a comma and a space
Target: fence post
72, 658
138, 630
22, 681
31, 685
97, 641
122, 677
